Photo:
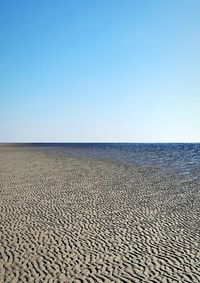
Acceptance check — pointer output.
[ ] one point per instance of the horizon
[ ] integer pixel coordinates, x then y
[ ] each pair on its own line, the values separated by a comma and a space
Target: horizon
87, 142
100, 72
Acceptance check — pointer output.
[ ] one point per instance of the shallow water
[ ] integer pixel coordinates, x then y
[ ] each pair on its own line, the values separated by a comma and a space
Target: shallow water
180, 159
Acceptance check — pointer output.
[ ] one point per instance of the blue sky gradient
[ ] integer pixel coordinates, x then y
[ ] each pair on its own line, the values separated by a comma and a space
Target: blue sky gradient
100, 70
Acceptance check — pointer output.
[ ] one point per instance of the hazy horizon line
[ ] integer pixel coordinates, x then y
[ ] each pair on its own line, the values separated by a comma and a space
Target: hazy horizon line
102, 142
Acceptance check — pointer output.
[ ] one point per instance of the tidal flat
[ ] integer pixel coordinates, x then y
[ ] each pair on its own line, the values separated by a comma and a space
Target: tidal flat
99, 213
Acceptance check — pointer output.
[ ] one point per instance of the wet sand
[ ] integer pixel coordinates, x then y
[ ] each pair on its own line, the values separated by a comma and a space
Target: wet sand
65, 219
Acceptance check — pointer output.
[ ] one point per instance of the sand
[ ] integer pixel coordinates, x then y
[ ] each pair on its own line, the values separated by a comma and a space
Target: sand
65, 219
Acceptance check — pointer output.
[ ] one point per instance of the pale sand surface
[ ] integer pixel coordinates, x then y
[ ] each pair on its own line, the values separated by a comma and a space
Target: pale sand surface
65, 219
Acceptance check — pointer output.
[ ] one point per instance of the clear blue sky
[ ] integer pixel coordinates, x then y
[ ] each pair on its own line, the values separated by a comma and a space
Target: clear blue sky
100, 70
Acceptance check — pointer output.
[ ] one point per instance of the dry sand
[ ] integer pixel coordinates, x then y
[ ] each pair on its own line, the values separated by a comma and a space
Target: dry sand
65, 219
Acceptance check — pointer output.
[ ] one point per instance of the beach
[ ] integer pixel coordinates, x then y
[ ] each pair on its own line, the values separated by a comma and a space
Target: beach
75, 219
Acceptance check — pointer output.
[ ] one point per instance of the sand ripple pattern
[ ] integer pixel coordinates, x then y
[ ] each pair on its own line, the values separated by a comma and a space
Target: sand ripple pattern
66, 219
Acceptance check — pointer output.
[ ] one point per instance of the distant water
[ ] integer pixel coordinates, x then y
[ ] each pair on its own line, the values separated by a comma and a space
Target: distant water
182, 159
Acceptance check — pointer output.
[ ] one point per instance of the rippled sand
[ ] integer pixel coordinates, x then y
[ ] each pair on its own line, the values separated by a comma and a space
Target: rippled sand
65, 219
